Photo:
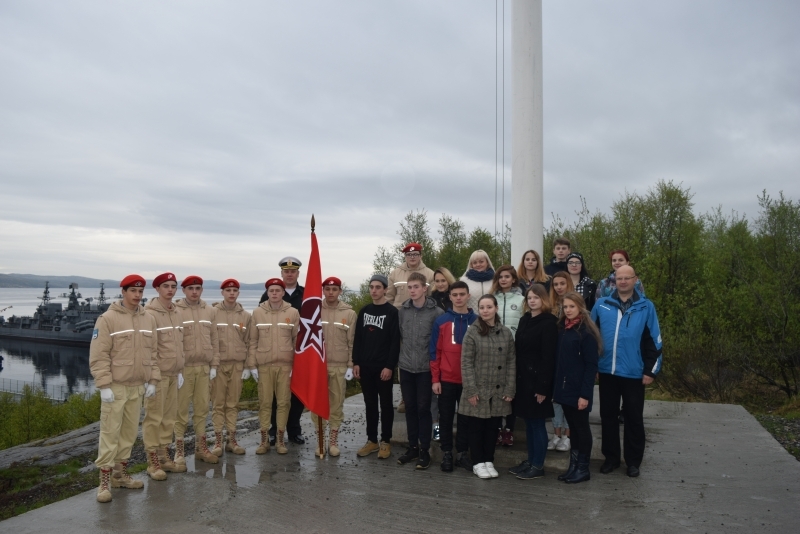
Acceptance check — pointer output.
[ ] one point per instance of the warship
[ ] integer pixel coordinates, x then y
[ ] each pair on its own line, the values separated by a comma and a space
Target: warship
53, 324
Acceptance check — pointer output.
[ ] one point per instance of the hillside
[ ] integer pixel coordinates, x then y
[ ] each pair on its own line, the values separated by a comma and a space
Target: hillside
57, 282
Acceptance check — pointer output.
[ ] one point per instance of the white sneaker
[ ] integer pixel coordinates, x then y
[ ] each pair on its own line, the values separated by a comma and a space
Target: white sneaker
551, 445
492, 471
481, 471
564, 444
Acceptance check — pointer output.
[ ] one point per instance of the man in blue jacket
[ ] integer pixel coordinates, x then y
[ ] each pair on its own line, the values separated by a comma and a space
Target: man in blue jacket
631, 360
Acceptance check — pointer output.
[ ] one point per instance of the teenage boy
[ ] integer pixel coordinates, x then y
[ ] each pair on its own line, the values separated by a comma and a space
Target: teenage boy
271, 355
201, 355
233, 330
417, 316
445, 353
338, 327
161, 410
630, 361
290, 272
397, 293
376, 348
122, 359
561, 249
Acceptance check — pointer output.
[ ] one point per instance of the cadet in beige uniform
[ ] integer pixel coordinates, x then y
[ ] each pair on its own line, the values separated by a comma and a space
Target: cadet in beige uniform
273, 333
233, 332
160, 410
122, 360
201, 354
338, 328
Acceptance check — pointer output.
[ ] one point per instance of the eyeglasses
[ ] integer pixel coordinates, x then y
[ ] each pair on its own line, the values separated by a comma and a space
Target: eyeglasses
573, 263
413, 255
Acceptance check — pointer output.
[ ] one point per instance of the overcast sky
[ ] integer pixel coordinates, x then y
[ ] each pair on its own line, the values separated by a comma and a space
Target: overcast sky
199, 137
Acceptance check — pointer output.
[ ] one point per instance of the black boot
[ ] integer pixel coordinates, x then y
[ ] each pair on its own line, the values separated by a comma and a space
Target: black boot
573, 464
581, 472
412, 453
464, 461
447, 462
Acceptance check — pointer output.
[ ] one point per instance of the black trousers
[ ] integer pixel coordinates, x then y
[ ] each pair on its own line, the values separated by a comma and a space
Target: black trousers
482, 438
416, 389
448, 402
293, 423
580, 433
377, 391
631, 390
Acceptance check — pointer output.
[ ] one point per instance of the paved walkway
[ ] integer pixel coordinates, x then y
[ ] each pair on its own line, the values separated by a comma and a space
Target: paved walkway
707, 468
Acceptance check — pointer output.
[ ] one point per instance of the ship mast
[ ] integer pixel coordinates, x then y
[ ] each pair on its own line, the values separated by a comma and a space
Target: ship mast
102, 298
45, 298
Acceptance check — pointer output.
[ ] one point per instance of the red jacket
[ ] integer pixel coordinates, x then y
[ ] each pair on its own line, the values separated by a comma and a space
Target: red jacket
445, 346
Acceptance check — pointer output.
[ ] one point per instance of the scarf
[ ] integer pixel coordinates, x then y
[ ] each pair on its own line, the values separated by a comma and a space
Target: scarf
569, 323
480, 276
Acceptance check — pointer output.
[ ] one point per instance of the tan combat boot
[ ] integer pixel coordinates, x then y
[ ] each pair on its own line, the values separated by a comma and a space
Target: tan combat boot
280, 445
217, 450
333, 447
103, 490
385, 450
154, 466
180, 458
121, 479
232, 445
167, 464
263, 447
201, 451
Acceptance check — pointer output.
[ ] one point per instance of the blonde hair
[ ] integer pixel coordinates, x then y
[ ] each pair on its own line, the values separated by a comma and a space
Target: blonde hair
586, 319
541, 292
539, 276
444, 271
474, 256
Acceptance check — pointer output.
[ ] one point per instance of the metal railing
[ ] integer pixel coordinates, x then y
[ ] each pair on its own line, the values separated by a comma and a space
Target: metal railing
17, 388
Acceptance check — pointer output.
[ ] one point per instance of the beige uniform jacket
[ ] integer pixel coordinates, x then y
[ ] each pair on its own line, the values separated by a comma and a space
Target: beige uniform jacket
272, 336
339, 331
200, 341
233, 332
169, 333
397, 293
123, 348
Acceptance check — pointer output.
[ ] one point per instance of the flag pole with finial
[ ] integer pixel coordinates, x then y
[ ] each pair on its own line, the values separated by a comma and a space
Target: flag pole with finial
320, 430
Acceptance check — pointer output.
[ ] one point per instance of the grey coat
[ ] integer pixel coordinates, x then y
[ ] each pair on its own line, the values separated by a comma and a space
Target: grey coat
489, 370
416, 325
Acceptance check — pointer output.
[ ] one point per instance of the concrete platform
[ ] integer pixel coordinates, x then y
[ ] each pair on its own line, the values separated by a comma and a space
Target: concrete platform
707, 468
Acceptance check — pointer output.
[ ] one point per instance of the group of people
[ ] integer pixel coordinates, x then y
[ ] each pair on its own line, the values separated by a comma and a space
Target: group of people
479, 352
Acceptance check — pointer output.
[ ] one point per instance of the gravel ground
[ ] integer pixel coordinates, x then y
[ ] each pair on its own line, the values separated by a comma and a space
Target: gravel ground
786, 431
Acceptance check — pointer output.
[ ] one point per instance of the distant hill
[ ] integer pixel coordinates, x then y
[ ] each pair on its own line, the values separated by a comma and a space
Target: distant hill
58, 282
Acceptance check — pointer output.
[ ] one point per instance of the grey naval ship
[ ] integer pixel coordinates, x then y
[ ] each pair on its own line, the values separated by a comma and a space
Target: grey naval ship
53, 324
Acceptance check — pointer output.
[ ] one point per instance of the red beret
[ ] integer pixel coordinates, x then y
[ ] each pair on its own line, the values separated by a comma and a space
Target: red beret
192, 280
412, 247
275, 282
133, 280
164, 277
230, 282
332, 281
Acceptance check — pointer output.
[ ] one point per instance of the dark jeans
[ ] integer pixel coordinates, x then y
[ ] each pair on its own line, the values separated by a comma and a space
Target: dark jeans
293, 423
416, 388
374, 389
482, 438
536, 436
448, 400
580, 433
631, 390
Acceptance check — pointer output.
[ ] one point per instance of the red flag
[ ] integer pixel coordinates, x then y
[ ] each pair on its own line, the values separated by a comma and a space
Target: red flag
310, 371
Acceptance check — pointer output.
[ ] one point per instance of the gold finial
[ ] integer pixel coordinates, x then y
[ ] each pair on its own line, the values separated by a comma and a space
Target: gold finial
313, 223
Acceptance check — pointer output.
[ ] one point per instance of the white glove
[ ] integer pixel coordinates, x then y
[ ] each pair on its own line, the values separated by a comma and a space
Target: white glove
106, 395
245, 374
213, 374
149, 390
290, 373
180, 380
254, 374
348, 375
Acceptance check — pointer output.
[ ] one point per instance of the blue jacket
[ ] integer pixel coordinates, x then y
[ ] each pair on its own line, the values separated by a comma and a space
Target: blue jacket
576, 366
631, 341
